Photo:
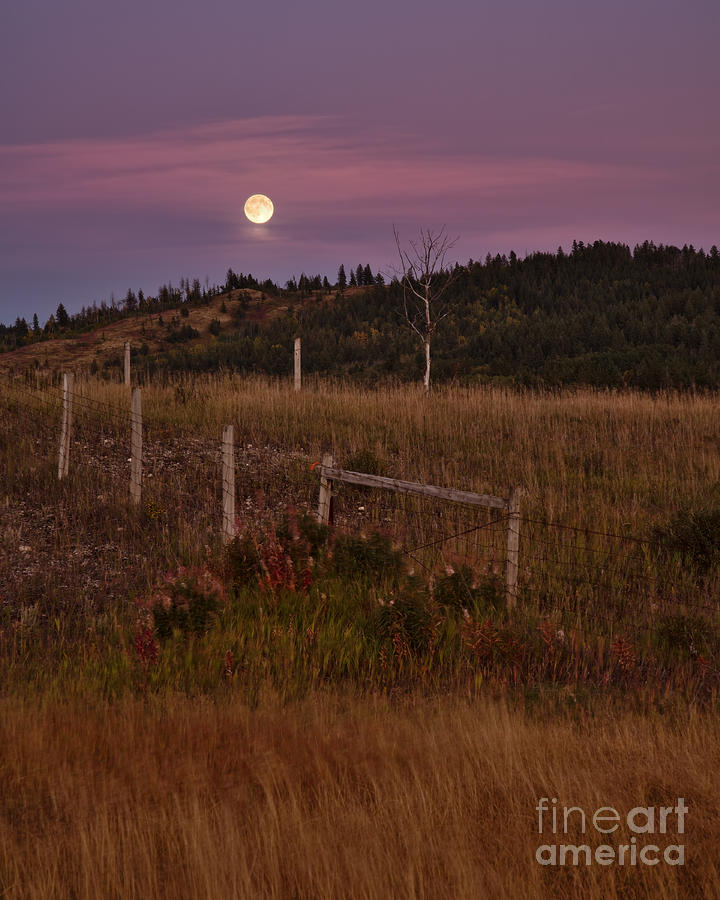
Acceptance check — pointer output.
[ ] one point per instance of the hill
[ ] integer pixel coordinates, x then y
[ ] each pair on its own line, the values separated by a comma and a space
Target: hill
601, 315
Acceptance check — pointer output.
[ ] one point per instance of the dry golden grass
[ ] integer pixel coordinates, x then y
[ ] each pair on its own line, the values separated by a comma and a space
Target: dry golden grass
586, 457
337, 797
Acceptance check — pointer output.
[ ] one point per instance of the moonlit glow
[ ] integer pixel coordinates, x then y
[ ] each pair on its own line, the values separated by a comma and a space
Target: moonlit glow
259, 208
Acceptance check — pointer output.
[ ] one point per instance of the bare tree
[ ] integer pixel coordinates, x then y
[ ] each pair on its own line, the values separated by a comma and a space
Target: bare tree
425, 282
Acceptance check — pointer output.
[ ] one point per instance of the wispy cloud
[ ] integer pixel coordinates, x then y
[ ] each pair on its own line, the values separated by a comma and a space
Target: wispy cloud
305, 164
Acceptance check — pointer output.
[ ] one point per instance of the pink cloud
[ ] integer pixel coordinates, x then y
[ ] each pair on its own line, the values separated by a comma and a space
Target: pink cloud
303, 163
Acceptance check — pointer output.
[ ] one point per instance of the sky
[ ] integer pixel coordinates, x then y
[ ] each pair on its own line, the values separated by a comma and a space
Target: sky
131, 134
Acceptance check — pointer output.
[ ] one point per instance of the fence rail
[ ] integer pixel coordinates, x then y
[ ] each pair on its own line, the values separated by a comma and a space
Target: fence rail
609, 579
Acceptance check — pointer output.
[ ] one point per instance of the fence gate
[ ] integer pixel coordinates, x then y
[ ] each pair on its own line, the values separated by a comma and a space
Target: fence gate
329, 473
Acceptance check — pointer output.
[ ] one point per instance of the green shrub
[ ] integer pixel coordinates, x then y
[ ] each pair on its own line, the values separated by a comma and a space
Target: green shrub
187, 603
695, 535
405, 619
306, 529
689, 634
242, 560
364, 556
363, 461
459, 590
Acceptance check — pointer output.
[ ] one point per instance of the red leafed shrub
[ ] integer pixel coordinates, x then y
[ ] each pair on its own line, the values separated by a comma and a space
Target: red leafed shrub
624, 654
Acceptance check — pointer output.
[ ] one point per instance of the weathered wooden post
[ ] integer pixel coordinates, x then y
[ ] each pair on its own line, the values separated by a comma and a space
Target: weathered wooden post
324, 512
228, 478
513, 548
136, 447
127, 363
298, 364
64, 458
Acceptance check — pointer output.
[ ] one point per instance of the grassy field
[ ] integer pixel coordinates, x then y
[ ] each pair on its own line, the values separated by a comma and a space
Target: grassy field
342, 713
339, 796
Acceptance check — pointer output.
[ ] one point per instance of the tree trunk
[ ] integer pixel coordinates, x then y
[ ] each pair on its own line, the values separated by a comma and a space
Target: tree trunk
428, 331
426, 378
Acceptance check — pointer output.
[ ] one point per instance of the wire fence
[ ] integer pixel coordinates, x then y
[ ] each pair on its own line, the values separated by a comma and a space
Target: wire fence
606, 584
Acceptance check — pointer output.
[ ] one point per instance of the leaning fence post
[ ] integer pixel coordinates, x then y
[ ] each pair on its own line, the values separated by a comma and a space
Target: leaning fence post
127, 363
324, 512
64, 458
513, 548
298, 364
136, 446
228, 479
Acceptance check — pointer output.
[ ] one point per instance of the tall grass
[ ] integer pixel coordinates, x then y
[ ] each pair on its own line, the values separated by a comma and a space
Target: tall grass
361, 735
339, 797
603, 457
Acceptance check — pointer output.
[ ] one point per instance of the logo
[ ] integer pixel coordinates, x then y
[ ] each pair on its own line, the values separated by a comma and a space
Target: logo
632, 831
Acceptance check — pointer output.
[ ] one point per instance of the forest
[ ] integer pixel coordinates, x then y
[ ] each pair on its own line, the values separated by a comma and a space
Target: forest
601, 315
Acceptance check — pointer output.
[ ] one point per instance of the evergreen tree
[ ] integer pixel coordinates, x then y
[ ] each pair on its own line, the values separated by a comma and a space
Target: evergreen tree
342, 278
61, 316
353, 279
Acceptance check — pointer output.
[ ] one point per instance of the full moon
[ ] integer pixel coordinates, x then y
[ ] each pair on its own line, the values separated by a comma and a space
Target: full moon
259, 208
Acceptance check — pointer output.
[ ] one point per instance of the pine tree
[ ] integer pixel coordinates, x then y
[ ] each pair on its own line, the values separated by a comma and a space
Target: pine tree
61, 316
342, 278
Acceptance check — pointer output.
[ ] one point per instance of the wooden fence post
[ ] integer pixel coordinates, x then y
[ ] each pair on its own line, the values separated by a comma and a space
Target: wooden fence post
127, 363
298, 364
136, 447
228, 479
324, 512
513, 548
64, 458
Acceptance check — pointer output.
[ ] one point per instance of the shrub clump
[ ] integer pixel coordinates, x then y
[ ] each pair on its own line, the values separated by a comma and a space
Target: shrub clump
689, 634
186, 602
363, 556
695, 535
459, 590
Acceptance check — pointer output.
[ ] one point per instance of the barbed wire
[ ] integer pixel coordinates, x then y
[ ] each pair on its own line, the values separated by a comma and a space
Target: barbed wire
599, 569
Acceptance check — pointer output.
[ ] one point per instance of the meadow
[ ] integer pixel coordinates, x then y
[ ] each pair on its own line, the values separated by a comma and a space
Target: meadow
336, 713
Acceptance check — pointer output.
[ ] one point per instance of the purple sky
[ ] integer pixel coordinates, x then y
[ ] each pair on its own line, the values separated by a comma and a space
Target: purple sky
131, 134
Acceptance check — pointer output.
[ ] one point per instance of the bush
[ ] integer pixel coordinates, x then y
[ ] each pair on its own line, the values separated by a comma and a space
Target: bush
374, 555
405, 619
304, 530
180, 335
187, 603
459, 590
242, 560
695, 535
364, 461
689, 634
